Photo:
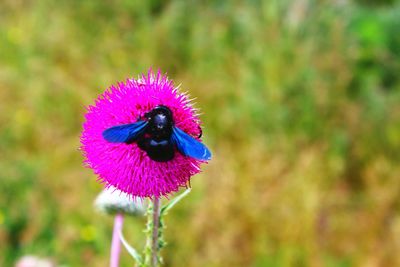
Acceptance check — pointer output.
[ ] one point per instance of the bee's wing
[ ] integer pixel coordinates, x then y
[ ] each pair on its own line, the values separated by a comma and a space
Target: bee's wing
125, 133
189, 146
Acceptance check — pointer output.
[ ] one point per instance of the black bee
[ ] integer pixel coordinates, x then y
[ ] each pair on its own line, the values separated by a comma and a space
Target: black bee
158, 136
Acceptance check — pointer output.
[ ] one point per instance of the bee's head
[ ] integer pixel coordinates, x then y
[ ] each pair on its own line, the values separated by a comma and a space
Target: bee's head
160, 121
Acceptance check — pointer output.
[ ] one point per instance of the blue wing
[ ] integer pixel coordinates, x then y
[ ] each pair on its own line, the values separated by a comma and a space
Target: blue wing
189, 146
125, 133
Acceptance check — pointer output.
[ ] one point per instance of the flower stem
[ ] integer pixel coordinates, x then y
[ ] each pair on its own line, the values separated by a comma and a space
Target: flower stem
115, 243
155, 235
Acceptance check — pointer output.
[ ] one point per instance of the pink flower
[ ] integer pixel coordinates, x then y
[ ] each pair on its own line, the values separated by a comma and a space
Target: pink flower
33, 261
131, 164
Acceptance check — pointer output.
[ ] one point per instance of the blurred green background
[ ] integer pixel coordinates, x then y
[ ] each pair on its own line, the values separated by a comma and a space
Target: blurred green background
301, 110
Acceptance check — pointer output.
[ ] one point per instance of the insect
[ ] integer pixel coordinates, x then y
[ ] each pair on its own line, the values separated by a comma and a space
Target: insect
158, 136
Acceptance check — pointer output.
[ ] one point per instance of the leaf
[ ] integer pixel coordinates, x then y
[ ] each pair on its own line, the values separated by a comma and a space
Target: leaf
131, 250
173, 202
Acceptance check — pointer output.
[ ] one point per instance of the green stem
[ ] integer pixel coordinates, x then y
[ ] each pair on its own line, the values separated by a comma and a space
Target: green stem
156, 224
152, 233
154, 230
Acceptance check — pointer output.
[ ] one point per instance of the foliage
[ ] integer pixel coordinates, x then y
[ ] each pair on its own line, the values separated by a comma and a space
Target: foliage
300, 102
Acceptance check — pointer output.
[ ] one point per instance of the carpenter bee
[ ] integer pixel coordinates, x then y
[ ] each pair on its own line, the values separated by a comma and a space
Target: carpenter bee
158, 136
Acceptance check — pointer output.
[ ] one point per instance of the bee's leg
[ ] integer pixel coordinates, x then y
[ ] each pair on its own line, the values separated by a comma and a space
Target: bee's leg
201, 132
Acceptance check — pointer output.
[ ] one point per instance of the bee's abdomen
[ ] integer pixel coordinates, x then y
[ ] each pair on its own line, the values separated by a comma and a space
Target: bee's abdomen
162, 150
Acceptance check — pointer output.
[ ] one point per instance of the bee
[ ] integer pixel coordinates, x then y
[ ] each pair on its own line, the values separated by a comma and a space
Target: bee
157, 135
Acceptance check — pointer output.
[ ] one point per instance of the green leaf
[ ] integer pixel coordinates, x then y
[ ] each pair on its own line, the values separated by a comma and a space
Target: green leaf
131, 250
173, 202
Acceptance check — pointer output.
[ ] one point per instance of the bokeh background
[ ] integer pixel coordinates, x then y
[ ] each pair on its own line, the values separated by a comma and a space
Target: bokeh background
300, 103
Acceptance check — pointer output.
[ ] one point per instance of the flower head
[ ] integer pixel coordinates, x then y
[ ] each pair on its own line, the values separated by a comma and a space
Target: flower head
123, 143
34, 261
112, 201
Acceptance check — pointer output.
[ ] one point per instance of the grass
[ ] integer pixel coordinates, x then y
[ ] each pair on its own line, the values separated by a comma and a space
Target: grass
300, 103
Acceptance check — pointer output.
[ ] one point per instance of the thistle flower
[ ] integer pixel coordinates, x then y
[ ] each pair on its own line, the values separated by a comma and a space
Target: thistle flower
113, 201
34, 261
118, 142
